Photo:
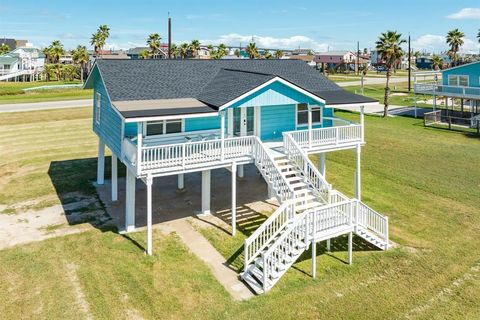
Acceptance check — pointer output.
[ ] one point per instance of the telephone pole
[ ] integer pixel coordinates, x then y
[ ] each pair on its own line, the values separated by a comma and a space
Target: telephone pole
409, 64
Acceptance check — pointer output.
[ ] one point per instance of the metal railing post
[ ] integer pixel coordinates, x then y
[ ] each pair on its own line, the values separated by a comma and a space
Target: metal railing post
386, 233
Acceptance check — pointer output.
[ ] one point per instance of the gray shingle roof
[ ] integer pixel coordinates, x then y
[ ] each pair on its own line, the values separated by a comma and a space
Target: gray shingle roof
214, 82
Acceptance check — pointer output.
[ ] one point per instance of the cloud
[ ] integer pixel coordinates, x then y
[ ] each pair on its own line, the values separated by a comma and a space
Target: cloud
466, 13
437, 43
234, 39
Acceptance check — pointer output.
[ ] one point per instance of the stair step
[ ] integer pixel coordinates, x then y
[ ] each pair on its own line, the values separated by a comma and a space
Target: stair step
252, 282
294, 178
308, 205
306, 197
284, 167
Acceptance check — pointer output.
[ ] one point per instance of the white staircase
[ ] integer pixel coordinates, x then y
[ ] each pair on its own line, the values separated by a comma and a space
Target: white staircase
310, 211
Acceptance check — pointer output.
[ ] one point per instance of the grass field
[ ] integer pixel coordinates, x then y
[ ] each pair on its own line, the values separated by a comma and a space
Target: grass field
11, 92
425, 180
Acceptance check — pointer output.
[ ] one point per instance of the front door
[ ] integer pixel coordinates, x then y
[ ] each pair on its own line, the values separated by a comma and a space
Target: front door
243, 121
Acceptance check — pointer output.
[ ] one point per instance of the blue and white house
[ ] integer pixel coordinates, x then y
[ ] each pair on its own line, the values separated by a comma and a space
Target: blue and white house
173, 117
461, 82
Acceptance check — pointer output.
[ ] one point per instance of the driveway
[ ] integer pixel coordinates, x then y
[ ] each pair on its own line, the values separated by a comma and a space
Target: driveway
14, 107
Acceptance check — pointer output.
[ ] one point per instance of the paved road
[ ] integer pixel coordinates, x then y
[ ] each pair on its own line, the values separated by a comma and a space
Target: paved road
13, 107
393, 110
368, 81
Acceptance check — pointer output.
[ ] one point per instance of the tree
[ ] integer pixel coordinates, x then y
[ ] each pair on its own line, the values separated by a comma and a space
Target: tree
69, 72
80, 58
478, 35
58, 70
153, 42
48, 71
237, 53
389, 48
144, 54
219, 52
252, 50
437, 62
222, 50
278, 54
455, 41
184, 50
195, 47
173, 50
267, 55
4, 48
56, 51
99, 38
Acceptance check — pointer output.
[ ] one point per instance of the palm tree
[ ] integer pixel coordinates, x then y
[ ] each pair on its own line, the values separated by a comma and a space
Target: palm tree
4, 48
437, 62
104, 31
58, 70
80, 58
144, 54
96, 42
221, 50
267, 55
389, 48
174, 50
252, 50
153, 42
478, 35
455, 41
48, 71
278, 54
56, 51
70, 72
183, 50
195, 47
237, 53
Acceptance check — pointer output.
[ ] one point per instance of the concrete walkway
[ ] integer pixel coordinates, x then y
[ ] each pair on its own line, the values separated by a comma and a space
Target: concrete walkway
369, 81
200, 246
32, 106
393, 110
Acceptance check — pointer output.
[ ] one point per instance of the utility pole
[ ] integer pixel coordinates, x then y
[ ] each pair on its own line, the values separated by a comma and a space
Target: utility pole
358, 58
409, 64
169, 36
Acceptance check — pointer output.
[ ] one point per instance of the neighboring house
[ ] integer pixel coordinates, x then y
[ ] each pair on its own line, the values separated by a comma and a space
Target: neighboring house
23, 63
462, 82
203, 53
309, 59
13, 43
134, 53
344, 60
30, 58
9, 64
172, 117
425, 62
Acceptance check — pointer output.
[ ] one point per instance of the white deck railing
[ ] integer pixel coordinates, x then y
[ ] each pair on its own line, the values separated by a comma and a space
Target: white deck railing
328, 137
369, 219
293, 151
440, 89
269, 229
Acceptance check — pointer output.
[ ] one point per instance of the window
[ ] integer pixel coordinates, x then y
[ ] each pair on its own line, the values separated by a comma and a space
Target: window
458, 80
98, 103
164, 127
302, 114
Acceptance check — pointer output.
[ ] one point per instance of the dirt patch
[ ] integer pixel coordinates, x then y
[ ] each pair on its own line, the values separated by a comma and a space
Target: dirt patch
79, 214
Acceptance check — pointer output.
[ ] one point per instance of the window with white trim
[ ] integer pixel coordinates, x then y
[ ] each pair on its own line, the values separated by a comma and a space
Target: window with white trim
458, 80
302, 114
98, 105
155, 128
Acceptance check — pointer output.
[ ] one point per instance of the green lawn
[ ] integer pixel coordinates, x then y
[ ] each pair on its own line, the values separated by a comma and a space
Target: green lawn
424, 179
11, 92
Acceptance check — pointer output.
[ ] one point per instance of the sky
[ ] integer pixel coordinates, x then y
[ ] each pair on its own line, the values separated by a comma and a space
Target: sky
319, 25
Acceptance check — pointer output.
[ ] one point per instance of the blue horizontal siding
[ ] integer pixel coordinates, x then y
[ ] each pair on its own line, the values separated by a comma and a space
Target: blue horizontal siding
471, 70
130, 129
273, 95
109, 129
204, 123
275, 120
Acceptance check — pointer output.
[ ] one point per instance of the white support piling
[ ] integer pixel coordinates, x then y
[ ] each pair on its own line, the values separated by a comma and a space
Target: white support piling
101, 162
350, 247
240, 171
322, 163
206, 177
130, 201
222, 135
329, 245
362, 123
314, 259
114, 178
309, 126
234, 199
180, 181
149, 182
358, 181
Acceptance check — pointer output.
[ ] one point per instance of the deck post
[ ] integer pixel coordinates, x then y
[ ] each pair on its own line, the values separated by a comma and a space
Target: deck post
130, 201
329, 245
206, 177
314, 259
350, 247
240, 172
309, 126
149, 182
322, 164
358, 181
234, 198
180, 181
434, 102
101, 162
139, 146
362, 123
114, 178
222, 135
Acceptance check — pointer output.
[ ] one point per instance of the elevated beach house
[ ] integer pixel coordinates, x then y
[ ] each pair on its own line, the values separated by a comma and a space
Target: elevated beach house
173, 117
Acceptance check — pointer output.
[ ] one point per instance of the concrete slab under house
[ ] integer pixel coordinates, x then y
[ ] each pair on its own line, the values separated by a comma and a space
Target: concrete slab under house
169, 118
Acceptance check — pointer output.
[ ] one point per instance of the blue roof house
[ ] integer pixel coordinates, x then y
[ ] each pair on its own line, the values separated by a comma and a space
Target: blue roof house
174, 117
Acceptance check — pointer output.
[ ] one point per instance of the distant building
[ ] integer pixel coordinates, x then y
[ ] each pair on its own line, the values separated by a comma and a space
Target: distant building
22, 63
13, 43
338, 60
425, 62
134, 53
